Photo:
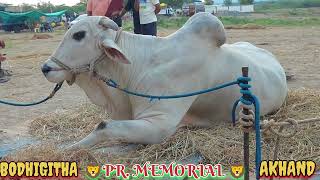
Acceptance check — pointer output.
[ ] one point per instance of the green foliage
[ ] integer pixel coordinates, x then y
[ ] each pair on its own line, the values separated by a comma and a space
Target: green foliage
175, 23
244, 2
27, 7
271, 22
80, 7
227, 2
47, 7
286, 4
178, 22
293, 12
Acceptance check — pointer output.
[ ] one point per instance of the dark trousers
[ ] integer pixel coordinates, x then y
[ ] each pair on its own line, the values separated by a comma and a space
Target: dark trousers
118, 21
136, 26
149, 29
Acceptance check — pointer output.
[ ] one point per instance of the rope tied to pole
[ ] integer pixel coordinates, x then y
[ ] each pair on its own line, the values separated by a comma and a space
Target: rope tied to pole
250, 121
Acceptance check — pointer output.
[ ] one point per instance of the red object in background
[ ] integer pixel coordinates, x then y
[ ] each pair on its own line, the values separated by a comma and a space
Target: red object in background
2, 56
115, 6
2, 44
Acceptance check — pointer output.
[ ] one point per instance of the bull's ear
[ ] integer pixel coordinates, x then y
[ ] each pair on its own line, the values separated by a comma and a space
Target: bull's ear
114, 52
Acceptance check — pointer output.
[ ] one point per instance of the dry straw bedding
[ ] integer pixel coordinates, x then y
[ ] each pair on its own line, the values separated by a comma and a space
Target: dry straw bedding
220, 144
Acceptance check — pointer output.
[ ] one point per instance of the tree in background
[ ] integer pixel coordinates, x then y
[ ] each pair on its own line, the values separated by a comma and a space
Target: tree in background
47, 7
244, 2
227, 2
79, 8
208, 2
27, 7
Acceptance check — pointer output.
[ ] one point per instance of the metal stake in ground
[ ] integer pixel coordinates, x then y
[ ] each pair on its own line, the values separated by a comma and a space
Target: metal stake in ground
246, 153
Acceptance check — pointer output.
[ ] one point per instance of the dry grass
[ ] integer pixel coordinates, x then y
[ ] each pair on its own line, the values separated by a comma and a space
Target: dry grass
222, 144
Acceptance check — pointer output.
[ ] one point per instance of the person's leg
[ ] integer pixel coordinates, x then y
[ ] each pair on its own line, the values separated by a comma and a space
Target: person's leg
118, 21
137, 25
1, 71
149, 29
155, 32
142, 28
137, 28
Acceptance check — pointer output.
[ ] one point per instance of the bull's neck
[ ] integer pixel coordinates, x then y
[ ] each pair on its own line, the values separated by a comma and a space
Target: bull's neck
137, 49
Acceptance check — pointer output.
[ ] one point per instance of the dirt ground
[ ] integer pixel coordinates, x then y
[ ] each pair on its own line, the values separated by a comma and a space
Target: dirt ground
298, 50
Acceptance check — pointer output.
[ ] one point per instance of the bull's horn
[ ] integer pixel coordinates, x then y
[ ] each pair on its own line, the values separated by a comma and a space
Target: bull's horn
108, 23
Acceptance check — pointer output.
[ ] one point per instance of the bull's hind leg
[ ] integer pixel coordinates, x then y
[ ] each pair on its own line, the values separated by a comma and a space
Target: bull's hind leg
190, 120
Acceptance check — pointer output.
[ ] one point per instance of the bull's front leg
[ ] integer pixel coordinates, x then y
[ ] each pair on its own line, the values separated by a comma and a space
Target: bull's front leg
142, 131
150, 127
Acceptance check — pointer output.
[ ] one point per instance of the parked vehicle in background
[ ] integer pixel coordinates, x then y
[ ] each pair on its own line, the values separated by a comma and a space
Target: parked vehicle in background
167, 12
77, 20
199, 5
189, 9
53, 19
15, 27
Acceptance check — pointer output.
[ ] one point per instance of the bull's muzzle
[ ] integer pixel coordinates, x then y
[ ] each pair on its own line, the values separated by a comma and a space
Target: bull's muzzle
45, 69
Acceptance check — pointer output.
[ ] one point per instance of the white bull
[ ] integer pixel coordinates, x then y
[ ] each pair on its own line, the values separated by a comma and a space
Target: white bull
193, 58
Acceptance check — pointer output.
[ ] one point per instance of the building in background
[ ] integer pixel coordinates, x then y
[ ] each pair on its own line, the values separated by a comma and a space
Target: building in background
220, 2
3, 6
11, 8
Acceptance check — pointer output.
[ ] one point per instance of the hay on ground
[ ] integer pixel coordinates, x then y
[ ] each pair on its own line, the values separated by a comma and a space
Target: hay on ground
221, 144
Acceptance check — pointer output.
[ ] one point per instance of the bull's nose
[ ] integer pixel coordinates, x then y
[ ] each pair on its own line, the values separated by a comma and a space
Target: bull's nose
45, 69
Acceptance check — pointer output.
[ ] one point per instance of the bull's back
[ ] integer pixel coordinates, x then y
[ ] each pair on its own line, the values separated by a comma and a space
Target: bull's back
268, 76
268, 80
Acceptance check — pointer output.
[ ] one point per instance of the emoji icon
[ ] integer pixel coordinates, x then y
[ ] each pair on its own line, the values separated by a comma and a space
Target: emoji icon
93, 171
237, 171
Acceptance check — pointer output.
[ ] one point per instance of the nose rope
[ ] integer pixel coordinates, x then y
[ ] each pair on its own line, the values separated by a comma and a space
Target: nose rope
85, 68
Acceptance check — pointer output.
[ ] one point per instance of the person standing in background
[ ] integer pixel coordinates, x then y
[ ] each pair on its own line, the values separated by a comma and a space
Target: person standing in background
2, 56
3, 73
136, 19
114, 11
98, 7
147, 13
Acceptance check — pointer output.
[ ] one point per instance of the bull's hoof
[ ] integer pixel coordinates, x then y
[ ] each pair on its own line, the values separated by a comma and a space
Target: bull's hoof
289, 76
4, 79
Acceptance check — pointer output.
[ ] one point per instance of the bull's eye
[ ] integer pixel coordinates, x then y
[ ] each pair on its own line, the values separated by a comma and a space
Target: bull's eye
79, 35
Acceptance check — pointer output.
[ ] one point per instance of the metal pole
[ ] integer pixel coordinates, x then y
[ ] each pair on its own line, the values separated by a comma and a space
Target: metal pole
246, 153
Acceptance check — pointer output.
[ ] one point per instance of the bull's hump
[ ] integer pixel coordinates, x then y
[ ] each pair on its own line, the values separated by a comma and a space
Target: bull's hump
204, 26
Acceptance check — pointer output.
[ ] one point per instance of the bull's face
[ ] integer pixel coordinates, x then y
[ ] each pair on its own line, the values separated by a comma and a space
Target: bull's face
84, 42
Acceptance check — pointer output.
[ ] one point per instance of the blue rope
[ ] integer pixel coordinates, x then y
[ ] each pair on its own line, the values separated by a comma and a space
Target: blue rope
113, 84
56, 88
242, 82
252, 99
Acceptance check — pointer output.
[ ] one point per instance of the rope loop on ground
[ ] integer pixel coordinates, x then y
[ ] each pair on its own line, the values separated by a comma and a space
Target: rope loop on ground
268, 125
